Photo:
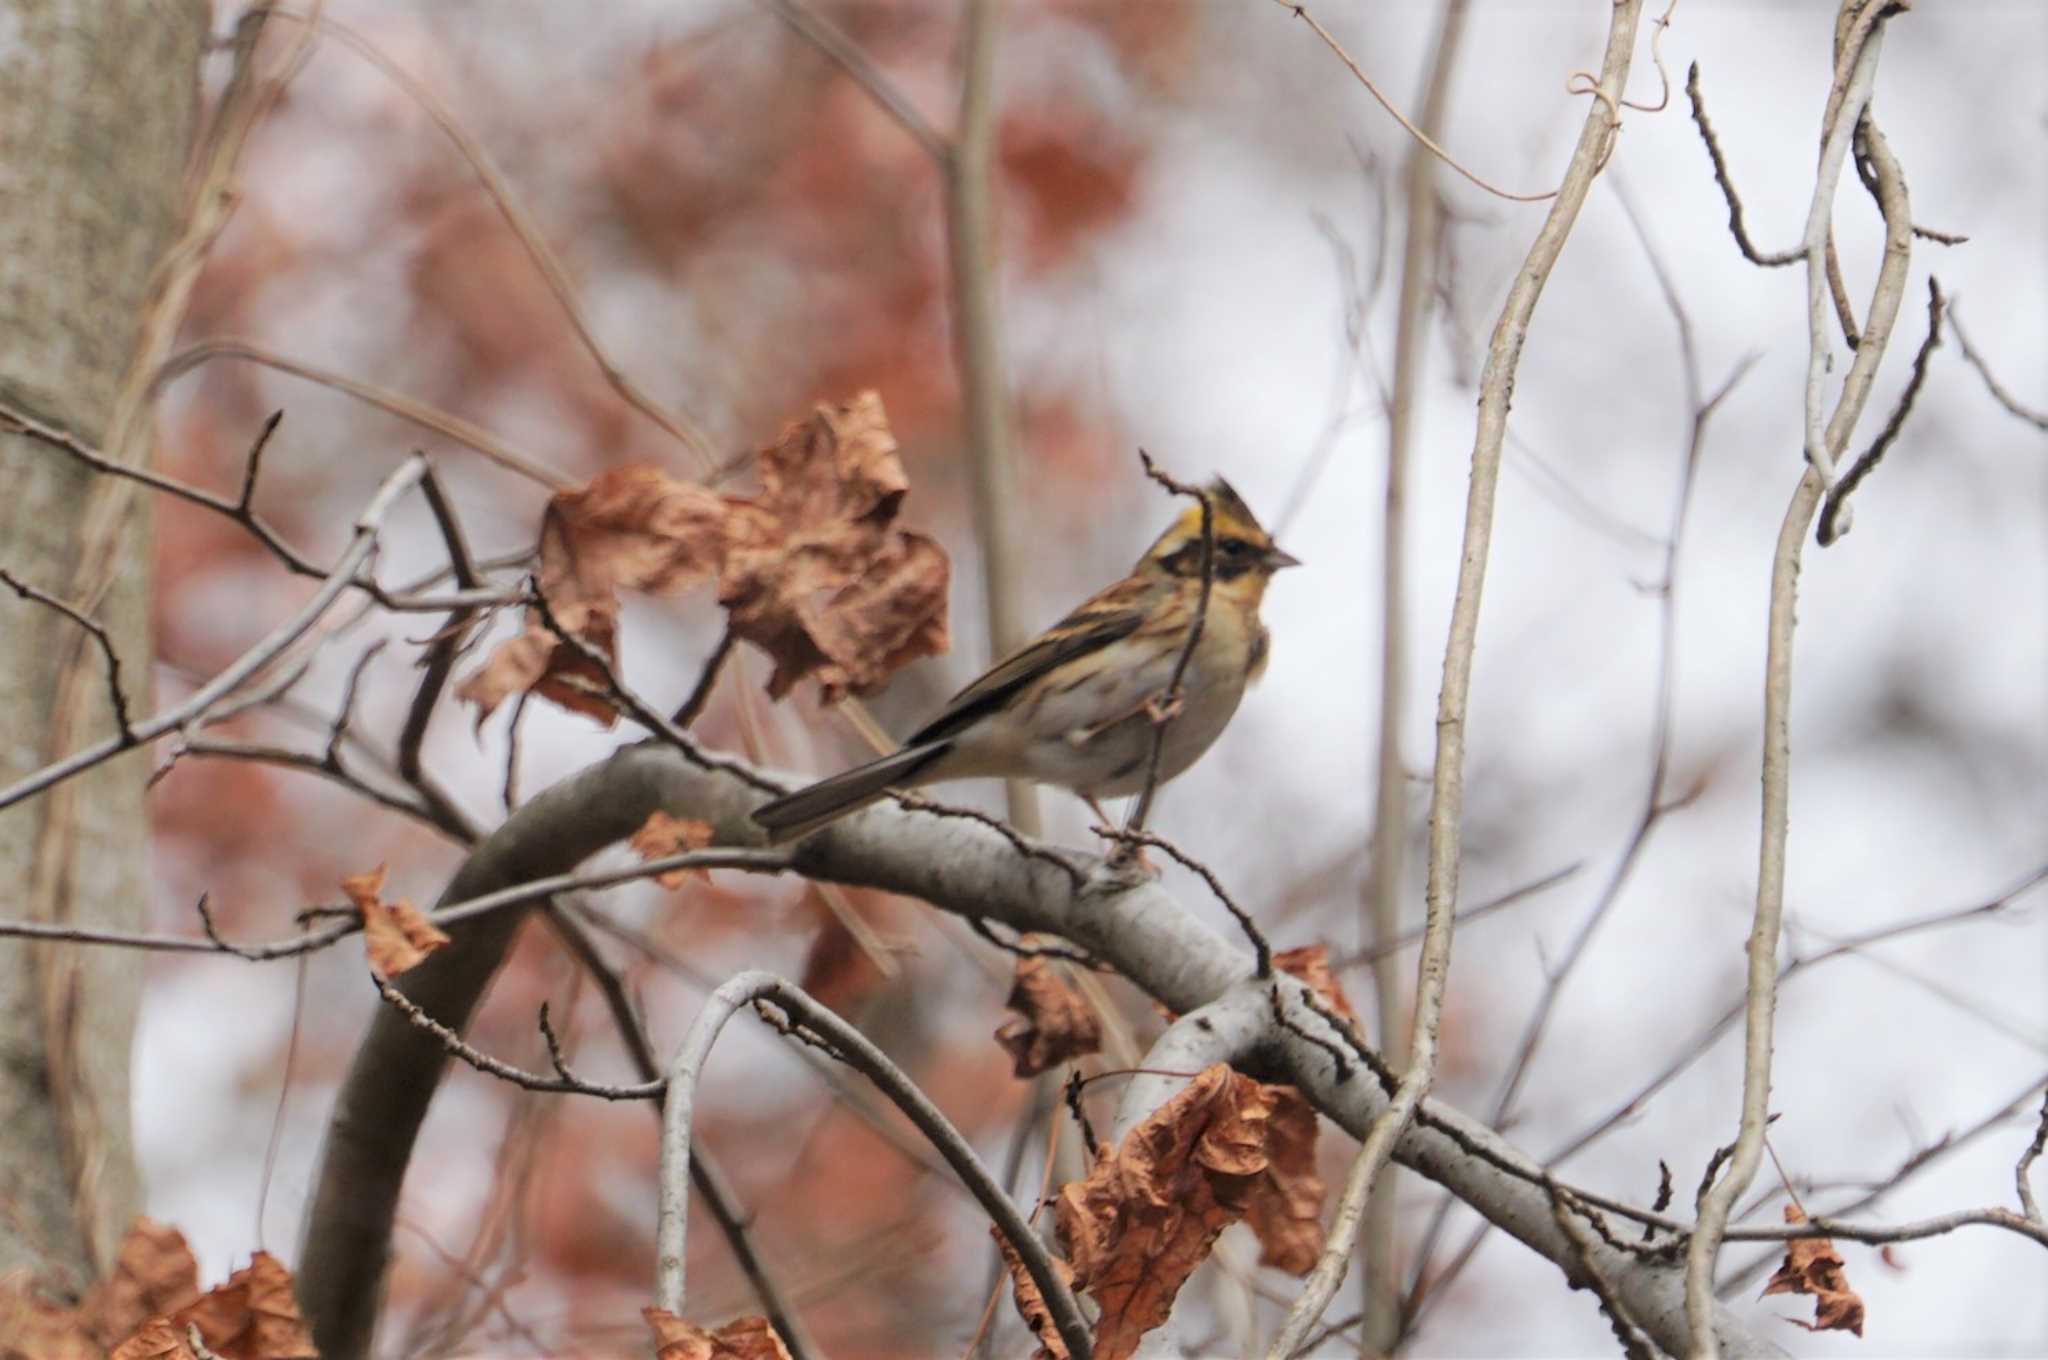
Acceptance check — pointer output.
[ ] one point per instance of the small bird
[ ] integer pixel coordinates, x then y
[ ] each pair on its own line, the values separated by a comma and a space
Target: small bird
1078, 706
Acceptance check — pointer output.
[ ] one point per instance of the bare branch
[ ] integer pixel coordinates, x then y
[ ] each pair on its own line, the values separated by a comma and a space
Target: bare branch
1833, 509
504, 1071
2038, 419
384, 399
830, 39
2023, 1172
361, 544
1262, 949
1859, 38
1770, 260
1329, 41
1596, 140
117, 698
678, 425
852, 1047
970, 178
1167, 706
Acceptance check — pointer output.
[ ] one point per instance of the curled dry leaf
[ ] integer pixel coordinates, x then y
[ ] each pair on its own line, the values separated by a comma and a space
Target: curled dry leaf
396, 935
662, 835
1285, 1209
1152, 1207
1054, 1022
154, 1272
254, 1316
813, 570
1813, 1266
1311, 963
746, 1338
816, 574
1030, 1302
156, 1339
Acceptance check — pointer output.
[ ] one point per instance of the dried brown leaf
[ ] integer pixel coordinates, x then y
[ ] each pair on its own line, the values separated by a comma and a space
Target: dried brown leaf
1311, 963
745, 1338
630, 528
1813, 1266
537, 660
154, 1272
1286, 1205
1030, 1302
662, 835
815, 572
1151, 1208
396, 935
158, 1338
1054, 1022
254, 1316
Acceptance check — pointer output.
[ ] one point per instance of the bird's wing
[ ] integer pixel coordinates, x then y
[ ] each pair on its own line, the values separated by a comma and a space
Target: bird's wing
1108, 618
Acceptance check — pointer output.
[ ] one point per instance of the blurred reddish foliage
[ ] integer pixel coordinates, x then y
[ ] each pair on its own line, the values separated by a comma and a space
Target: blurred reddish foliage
750, 234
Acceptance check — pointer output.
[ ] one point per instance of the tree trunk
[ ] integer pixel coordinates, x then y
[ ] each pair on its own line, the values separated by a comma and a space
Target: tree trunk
98, 100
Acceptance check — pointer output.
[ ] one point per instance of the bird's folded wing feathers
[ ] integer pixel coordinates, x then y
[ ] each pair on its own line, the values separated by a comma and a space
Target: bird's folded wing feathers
1108, 618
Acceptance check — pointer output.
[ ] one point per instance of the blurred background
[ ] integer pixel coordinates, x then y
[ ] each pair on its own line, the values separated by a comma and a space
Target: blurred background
1199, 234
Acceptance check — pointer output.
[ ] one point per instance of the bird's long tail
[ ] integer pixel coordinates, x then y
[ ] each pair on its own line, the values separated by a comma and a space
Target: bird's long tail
800, 813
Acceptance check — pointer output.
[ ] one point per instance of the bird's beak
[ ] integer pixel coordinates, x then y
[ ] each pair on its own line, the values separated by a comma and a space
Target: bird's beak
1276, 558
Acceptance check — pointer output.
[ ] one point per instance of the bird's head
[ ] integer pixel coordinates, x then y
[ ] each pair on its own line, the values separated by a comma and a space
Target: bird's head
1245, 555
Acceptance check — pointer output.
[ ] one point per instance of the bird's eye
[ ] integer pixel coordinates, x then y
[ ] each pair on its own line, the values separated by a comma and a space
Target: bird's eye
1234, 547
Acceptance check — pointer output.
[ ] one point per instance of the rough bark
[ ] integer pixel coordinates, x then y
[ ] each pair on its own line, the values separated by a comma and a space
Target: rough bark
97, 109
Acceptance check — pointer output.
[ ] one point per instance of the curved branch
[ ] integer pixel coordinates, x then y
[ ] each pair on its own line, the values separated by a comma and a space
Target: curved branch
852, 1047
959, 865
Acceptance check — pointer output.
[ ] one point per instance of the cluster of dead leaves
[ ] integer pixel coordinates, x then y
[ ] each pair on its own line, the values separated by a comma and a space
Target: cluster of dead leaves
146, 1308
1224, 1148
1813, 1266
813, 570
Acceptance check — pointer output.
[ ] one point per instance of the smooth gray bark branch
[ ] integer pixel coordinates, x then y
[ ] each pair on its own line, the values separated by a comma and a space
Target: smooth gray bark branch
958, 865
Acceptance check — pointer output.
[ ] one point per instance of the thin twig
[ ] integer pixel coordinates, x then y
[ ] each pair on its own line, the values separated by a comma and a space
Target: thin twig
707, 680
117, 698
1767, 260
384, 399
970, 182
504, 1071
1834, 520
1855, 73
1385, 889
1855, 80
439, 662
733, 1220
1596, 139
1567, 1215
747, 860
830, 39
1466, 915
2038, 419
362, 543
1168, 704
678, 425
1329, 41
1656, 805
852, 1047
1262, 949
2022, 1173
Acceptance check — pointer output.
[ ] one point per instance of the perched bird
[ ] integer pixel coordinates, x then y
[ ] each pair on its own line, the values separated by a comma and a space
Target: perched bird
1078, 706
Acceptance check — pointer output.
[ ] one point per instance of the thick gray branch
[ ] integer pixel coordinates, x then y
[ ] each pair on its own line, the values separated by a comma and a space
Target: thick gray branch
958, 865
